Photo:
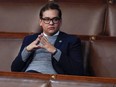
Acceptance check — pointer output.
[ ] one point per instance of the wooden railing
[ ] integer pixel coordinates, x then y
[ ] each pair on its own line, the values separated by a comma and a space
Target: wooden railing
58, 77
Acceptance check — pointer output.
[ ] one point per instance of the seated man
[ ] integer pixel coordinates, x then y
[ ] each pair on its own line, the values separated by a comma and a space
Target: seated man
50, 51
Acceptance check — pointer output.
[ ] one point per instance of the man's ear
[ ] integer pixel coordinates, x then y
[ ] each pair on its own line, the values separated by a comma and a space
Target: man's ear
40, 22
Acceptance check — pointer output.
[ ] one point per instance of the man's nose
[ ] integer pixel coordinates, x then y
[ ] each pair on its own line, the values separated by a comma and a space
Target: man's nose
51, 22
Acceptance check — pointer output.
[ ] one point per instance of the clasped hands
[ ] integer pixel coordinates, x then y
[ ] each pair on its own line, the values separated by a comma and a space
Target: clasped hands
41, 42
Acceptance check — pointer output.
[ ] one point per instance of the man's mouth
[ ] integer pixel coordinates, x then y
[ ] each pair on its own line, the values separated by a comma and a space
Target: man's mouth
51, 28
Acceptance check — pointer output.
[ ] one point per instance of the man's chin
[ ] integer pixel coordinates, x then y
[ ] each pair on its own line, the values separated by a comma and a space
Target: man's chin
52, 33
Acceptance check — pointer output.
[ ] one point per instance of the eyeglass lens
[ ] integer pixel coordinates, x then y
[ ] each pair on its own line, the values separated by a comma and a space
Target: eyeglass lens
47, 20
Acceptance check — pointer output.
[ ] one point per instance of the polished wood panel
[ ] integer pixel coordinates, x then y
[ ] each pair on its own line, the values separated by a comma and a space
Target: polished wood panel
24, 75
26, 1
83, 37
57, 77
13, 34
83, 1
87, 78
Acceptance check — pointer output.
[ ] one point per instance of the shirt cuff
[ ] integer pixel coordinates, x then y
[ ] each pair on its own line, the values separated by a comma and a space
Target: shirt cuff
25, 54
57, 55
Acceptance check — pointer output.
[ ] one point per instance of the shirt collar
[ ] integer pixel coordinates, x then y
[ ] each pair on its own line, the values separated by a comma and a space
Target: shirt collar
56, 34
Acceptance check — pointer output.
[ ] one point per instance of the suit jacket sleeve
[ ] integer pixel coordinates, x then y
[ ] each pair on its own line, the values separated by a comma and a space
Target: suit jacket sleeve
18, 64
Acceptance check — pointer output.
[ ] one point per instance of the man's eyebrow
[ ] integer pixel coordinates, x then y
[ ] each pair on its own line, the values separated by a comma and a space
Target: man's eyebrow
51, 18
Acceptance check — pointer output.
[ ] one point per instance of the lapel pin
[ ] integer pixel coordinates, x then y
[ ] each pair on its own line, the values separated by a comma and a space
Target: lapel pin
60, 41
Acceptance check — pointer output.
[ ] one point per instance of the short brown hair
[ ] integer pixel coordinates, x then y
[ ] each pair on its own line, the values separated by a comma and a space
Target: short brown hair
50, 5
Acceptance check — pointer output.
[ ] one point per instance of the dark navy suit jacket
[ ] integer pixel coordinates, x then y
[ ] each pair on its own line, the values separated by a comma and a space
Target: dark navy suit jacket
70, 63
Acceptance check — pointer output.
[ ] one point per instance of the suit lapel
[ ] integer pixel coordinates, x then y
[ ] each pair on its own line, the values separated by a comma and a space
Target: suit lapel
59, 40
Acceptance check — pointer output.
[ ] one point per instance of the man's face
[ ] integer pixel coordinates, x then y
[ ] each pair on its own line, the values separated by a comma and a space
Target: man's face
50, 22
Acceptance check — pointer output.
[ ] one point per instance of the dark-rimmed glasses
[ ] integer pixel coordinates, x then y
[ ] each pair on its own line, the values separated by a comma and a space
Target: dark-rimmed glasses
54, 20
